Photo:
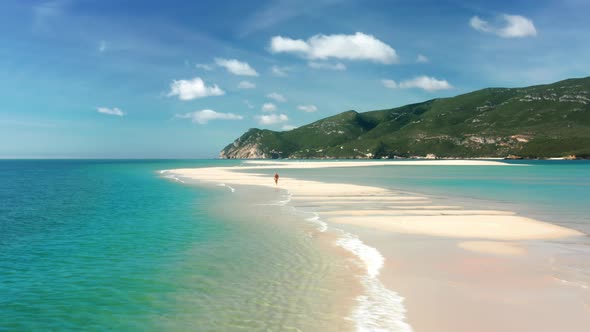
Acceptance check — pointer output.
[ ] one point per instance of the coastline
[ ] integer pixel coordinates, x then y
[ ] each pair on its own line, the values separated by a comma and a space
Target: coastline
482, 236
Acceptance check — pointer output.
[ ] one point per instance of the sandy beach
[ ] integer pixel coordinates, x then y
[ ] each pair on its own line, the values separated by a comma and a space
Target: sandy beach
458, 269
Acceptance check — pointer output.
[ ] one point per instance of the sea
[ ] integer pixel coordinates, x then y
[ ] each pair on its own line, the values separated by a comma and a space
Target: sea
119, 245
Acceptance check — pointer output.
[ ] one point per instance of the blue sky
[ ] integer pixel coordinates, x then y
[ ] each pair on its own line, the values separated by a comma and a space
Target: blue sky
100, 79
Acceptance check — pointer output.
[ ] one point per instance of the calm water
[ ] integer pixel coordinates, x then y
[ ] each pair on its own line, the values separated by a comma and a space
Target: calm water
112, 245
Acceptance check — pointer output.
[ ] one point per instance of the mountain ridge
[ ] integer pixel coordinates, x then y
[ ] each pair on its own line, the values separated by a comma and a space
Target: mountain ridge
540, 121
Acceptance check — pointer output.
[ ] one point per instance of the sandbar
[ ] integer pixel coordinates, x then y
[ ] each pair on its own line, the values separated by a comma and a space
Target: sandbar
459, 269
451, 222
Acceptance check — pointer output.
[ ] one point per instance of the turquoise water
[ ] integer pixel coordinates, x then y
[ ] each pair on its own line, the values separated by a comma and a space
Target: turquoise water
112, 245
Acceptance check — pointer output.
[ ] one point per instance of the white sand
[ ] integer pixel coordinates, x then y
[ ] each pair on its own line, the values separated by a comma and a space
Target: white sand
476, 277
483, 226
346, 198
418, 212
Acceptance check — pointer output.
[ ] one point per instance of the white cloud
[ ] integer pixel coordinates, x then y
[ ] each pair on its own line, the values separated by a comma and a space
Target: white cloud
288, 127
279, 71
204, 116
193, 89
277, 97
513, 26
204, 66
391, 84
326, 65
102, 46
269, 107
422, 58
479, 24
110, 111
518, 26
272, 119
421, 82
279, 44
307, 108
359, 46
246, 85
236, 67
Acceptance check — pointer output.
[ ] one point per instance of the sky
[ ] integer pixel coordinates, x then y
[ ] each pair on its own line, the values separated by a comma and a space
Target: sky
182, 79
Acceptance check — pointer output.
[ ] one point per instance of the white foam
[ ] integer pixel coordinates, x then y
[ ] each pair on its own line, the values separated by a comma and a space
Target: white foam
322, 226
232, 189
281, 202
379, 309
165, 175
285, 201
174, 177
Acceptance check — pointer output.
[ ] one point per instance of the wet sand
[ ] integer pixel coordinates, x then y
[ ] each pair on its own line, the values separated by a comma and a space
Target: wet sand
458, 269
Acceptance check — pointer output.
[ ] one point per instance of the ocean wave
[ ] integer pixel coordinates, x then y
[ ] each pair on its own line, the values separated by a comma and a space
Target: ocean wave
164, 174
281, 202
232, 189
379, 309
287, 200
322, 226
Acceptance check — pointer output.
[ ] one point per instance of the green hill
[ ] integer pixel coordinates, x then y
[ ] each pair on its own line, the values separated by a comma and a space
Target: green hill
540, 121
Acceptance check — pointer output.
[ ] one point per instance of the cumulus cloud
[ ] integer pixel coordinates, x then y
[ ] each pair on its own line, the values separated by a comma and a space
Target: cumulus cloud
391, 84
204, 116
279, 71
307, 108
359, 46
204, 66
193, 89
236, 67
269, 107
288, 127
272, 119
110, 111
510, 26
279, 44
277, 97
421, 82
479, 24
517, 26
246, 85
326, 65
422, 58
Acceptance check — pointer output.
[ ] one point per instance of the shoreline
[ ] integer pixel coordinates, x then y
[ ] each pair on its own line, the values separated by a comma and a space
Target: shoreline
563, 158
389, 162
377, 307
502, 235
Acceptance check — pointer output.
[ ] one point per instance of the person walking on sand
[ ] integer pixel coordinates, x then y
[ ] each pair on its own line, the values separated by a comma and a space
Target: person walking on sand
276, 179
